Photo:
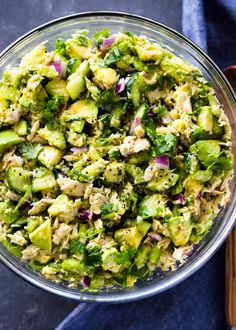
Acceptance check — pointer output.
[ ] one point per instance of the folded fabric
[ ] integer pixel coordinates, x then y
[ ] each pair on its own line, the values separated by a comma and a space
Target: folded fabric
198, 302
212, 25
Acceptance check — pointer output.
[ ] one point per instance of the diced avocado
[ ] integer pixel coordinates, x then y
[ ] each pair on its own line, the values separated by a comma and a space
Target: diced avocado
132, 236
75, 49
8, 214
140, 157
176, 67
18, 179
180, 229
148, 51
76, 139
76, 126
218, 130
205, 119
82, 109
72, 65
142, 111
21, 128
105, 77
154, 257
50, 156
83, 69
4, 105
72, 265
93, 153
13, 76
75, 85
152, 206
64, 207
42, 236
54, 137
201, 227
135, 92
109, 260
135, 172
33, 223
9, 93
207, 151
31, 60
164, 180
142, 256
57, 88
43, 179
15, 250
114, 172
94, 170
8, 139
202, 176
82, 235
215, 107
192, 187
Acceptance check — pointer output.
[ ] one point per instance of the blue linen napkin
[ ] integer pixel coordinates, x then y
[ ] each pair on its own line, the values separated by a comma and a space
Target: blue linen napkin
198, 303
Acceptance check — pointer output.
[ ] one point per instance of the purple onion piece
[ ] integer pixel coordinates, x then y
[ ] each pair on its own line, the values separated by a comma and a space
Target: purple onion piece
107, 42
162, 162
150, 113
130, 70
86, 215
178, 199
135, 123
78, 149
57, 66
120, 86
15, 115
199, 194
154, 237
85, 281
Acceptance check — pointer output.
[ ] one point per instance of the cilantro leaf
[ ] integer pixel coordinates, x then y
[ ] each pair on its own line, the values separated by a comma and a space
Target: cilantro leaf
200, 134
76, 246
92, 257
51, 108
60, 46
125, 256
82, 40
106, 100
30, 150
99, 36
165, 144
108, 208
113, 56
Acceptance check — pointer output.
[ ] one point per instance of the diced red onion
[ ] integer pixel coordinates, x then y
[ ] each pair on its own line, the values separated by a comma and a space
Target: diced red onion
178, 199
199, 194
150, 113
85, 281
162, 162
120, 86
130, 70
135, 123
57, 66
107, 42
86, 215
78, 149
15, 115
155, 237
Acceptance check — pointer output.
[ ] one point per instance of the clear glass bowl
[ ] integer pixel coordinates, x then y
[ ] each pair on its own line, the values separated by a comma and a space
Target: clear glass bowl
181, 46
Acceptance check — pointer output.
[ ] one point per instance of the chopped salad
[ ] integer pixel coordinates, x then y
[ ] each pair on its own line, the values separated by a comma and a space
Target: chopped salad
115, 159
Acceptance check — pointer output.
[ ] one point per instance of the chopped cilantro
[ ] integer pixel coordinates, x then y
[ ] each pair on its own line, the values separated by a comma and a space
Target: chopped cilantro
30, 150
107, 100
126, 256
52, 107
113, 56
76, 246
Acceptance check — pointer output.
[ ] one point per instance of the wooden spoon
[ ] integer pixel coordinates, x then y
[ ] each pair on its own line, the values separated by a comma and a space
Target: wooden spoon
230, 247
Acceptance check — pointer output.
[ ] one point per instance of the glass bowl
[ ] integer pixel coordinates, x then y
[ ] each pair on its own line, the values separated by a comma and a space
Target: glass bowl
181, 46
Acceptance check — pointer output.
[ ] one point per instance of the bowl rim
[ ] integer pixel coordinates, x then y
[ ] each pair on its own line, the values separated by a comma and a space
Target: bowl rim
182, 274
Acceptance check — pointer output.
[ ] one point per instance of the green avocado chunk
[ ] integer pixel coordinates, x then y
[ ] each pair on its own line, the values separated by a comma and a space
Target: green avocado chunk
8, 139
8, 214
180, 229
152, 206
42, 236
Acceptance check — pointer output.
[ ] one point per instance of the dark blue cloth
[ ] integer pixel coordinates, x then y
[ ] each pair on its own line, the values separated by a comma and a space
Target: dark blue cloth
198, 302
